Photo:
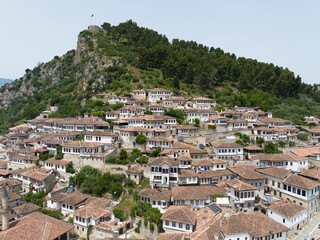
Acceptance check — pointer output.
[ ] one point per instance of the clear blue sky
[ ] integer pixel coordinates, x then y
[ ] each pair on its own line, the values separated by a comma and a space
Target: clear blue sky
286, 32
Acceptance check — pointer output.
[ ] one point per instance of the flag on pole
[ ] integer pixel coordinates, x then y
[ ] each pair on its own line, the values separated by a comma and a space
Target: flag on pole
92, 15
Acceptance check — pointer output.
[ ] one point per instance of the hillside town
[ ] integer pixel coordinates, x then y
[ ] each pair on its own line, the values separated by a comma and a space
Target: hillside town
161, 166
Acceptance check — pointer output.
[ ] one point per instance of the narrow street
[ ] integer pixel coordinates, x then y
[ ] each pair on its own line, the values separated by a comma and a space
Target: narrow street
311, 229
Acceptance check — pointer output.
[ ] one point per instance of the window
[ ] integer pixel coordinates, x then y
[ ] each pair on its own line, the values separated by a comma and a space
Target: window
283, 220
180, 225
167, 223
303, 193
173, 224
187, 227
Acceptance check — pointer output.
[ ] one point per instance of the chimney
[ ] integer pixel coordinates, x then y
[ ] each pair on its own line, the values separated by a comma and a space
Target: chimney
227, 213
5, 210
216, 236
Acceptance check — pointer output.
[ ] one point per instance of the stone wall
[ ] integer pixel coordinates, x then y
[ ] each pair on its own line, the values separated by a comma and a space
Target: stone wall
145, 230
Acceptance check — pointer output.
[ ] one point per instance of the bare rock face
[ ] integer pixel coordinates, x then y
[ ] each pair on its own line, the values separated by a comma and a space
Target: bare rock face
81, 47
49, 74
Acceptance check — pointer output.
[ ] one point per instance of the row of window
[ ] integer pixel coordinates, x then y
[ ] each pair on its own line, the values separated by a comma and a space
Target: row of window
228, 150
179, 225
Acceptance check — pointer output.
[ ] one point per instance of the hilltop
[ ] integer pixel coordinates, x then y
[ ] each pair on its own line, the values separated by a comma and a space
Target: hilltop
119, 59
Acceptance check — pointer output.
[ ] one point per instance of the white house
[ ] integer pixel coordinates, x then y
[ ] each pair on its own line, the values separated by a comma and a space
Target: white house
290, 215
82, 148
179, 219
203, 103
158, 94
241, 193
302, 191
58, 165
106, 138
288, 161
163, 172
157, 199
227, 151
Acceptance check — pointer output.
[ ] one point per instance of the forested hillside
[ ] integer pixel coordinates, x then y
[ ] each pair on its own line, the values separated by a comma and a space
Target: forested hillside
122, 58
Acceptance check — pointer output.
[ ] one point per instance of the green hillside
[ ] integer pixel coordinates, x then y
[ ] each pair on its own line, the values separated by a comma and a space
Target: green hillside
122, 58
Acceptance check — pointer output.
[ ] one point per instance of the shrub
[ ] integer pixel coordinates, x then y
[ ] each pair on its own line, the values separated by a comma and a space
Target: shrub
143, 160
212, 126
123, 154
70, 169
303, 136
54, 213
141, 139
155, 153
151, 226
118, 213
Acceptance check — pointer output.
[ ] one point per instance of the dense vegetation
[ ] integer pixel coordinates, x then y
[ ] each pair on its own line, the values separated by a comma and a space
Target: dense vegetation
91, 180
127, 57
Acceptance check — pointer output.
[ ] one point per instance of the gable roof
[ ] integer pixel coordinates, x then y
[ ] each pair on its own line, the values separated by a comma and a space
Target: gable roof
247, 172
180, 214
289, 210
26, 208
311, 173
162, 160
194, 192
305, 152
236, 184
225, 145
278, 157
277, 172
36, 226
301, 182
155, 194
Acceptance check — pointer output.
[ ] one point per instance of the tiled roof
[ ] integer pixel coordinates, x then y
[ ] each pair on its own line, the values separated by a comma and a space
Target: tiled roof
26, 208
288, 210
225, 145
195, 192
160, 139
82, 144
70, 198
180, 214
161, 160
11, 195
136, 129
192, 149
278, 157
155, 194
247, 172
184, 173
214, 175
311, 173
134, 169
277, 172
305, 152
98, 201
100, 133
187, 127
236, 184
301, 182
92, 211
172, 236
256, 224
273, 120
36, 226
61, 162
